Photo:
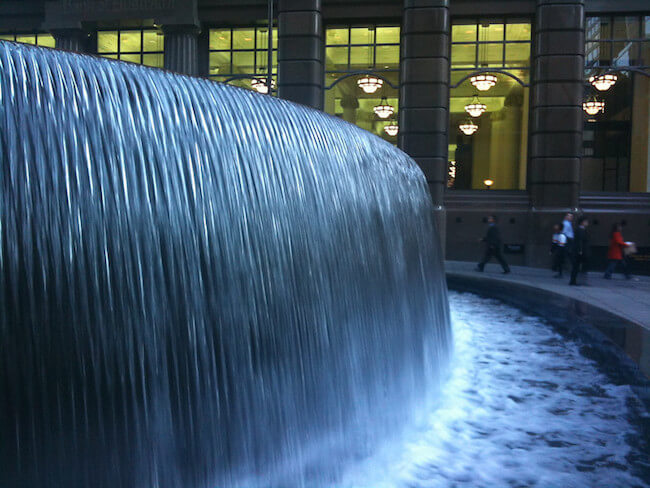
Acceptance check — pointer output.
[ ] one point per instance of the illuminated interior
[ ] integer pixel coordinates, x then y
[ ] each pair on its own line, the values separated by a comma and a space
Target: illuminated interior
140, 46
43, 40
241, 52
351, 49
498, 150
616, 141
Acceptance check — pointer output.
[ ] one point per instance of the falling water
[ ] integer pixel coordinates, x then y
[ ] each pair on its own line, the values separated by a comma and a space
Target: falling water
202, 286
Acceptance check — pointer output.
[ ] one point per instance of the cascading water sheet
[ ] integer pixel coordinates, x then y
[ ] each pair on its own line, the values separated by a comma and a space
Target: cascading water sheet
202, 286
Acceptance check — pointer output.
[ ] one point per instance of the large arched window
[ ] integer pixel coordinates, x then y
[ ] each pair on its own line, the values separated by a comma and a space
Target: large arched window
489, 104
355, 52
616, 138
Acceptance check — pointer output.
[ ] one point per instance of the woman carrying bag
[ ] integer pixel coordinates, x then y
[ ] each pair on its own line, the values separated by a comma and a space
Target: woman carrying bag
617, 252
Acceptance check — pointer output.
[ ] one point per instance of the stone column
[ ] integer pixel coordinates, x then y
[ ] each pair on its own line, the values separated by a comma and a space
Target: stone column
71, 39
300, 52
424, 93
181, 48
350, 105
557, 120
556, 131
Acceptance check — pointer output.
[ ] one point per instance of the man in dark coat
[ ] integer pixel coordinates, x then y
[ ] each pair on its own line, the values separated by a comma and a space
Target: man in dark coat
581, 251
492, 242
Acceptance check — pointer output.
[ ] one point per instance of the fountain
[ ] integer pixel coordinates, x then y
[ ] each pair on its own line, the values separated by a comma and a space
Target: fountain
202, 286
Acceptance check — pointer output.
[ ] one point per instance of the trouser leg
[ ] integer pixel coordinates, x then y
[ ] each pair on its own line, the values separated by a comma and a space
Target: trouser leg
611, 267
486, 257
625, 264
575, 267
499, 256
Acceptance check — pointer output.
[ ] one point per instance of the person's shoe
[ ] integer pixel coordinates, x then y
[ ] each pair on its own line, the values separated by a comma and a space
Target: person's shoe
628, 277
607, 277
507, 271
480, 270
573, 283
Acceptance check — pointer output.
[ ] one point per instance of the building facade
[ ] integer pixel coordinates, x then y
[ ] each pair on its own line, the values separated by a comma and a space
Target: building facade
525, 109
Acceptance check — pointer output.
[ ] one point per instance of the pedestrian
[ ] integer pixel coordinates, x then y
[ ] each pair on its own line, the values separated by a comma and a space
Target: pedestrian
492, 241
581, 251
567, 230
558, 250
615, 254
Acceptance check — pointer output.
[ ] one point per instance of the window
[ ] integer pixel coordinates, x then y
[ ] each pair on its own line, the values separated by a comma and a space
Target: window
240, 55
357, 49
616, 148
43, 40
498, 149
141, 46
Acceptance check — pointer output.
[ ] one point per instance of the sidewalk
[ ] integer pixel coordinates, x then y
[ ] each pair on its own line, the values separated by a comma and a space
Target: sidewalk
629, 299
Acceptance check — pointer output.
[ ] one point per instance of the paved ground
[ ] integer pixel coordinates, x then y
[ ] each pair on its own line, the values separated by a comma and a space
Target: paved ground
627, 298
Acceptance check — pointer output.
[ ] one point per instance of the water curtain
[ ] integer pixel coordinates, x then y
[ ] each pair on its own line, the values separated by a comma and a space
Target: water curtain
202, 286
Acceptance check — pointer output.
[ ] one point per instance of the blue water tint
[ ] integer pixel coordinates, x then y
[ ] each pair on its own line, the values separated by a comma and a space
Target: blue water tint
202, 286
522, 408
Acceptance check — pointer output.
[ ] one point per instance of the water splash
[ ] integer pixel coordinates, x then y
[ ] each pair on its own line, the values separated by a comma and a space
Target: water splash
202, 286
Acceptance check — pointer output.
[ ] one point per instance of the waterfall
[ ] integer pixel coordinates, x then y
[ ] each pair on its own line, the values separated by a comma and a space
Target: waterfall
202, 286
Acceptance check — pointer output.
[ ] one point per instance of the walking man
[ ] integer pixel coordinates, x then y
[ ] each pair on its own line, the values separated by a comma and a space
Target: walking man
567, 230
492, 242
581, 251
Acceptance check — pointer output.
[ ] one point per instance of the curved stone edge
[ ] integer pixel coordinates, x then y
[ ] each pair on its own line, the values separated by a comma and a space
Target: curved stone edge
602, 335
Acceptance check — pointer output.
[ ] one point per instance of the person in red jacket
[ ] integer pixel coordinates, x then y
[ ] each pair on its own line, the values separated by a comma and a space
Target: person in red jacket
615, 253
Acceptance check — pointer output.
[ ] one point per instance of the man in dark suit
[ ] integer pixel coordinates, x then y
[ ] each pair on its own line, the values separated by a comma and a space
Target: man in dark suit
581, 251
492, 242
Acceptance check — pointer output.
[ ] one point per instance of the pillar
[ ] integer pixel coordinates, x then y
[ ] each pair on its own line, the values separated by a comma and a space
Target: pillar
557, 120
71, 39
424, 93
300, 52
350, 106
181, 48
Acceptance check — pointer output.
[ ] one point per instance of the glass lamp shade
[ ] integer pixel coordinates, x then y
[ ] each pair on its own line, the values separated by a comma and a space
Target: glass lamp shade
468, 128
603, 82
592, 107
370, 84
476, 108
259, 85
483, 82
391, 129
384, 110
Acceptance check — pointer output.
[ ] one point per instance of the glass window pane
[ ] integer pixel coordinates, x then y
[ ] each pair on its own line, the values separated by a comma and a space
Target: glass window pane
107, 42
517, 55
220, 39
463, 33
263, 38
598, 28
647, 27
154, 60
261, 61
361, 57
45, 40
490, 54
219, 62
337, 36
109, 56
623, 53
131, 58
387, 35
26, 39
463, 55
243, 39
645, 53
387, 57
336, 58
130, 42
626, 28
7, 38
518, 32
362, 35
153, 41
243, 62
490, 32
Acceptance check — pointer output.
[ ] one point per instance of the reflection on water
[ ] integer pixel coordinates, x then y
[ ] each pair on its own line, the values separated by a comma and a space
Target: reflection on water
523, 407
